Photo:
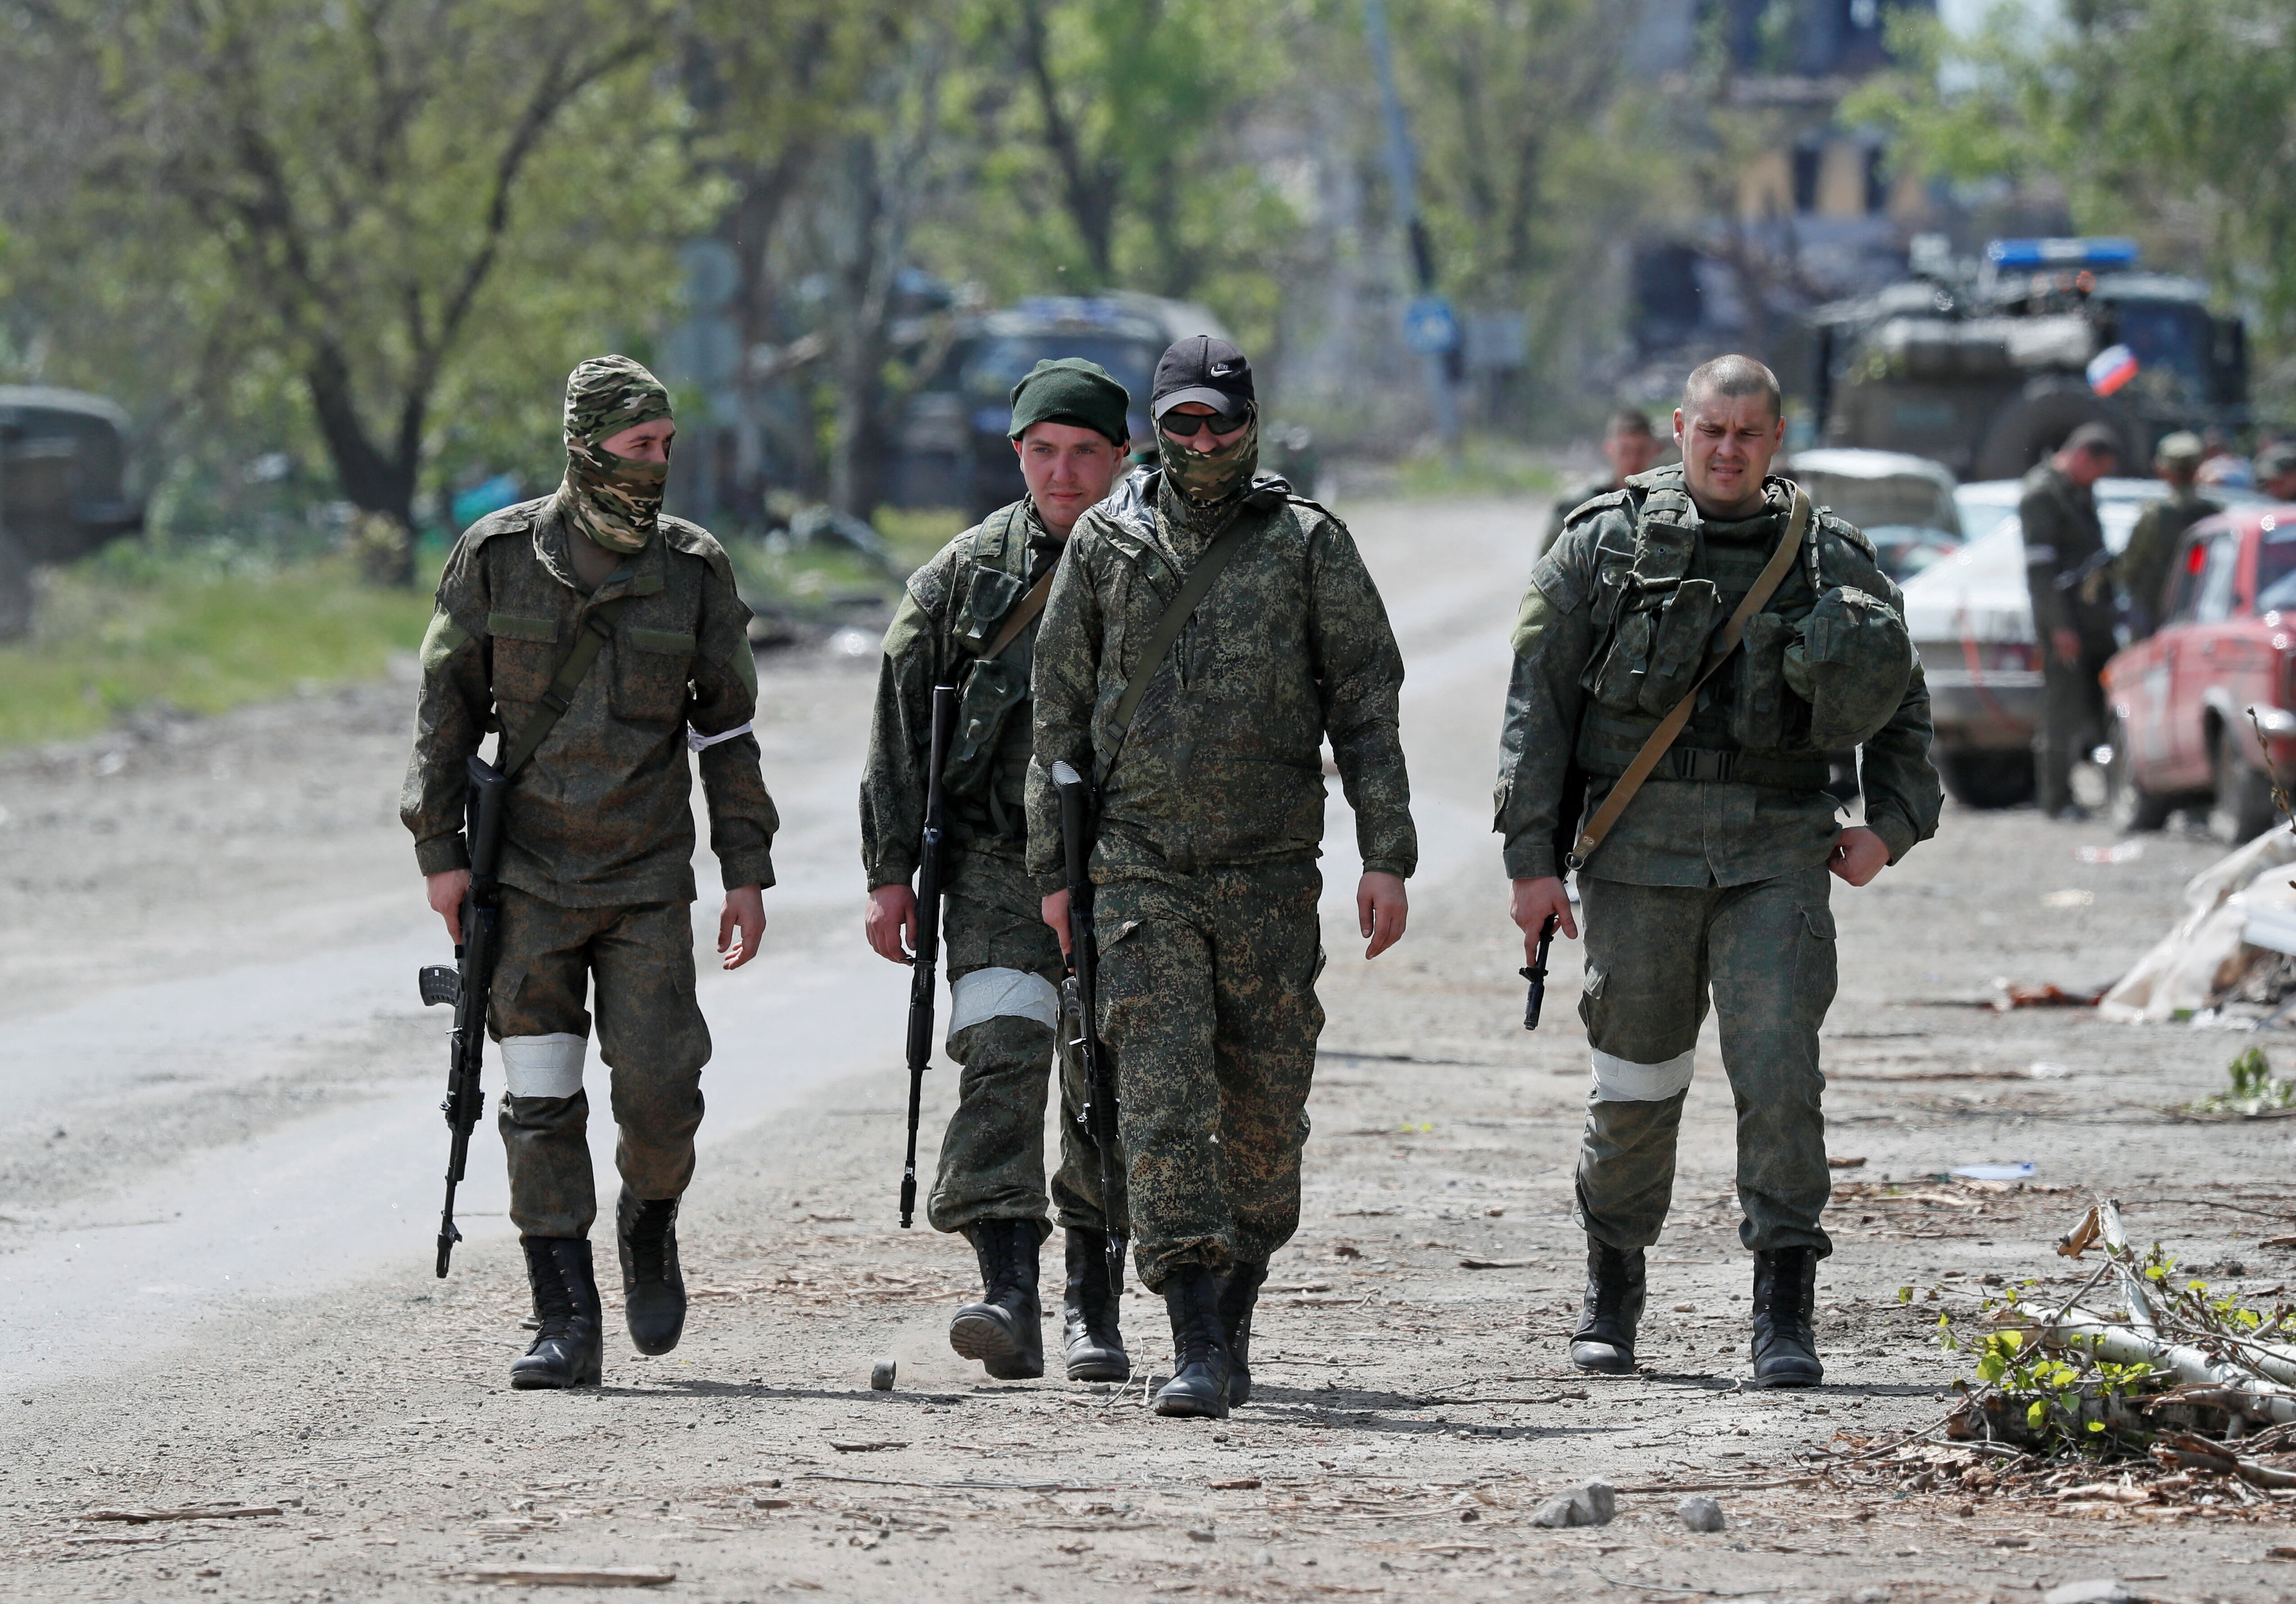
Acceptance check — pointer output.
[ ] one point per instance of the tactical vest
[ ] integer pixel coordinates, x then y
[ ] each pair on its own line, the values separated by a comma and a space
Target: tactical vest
994, 690
1821, 668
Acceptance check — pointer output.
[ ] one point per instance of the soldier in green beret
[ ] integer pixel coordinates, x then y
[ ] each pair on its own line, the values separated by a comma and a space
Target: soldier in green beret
597, 856
969, 618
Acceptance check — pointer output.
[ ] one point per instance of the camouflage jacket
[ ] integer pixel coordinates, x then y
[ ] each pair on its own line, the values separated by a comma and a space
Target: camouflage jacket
600, 816
953, 608
2065, 542
2143, 565
1568, 503
1739, 797
1223, 763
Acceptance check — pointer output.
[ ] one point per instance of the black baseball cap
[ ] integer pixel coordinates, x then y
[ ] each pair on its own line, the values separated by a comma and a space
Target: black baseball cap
1200, 368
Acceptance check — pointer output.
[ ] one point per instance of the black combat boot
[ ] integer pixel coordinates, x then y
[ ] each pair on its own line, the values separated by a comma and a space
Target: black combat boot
1785, 1289
1604, 1340
653, 1287
1005, 1330
1199, 1356
1238, 1293
569, 1341
1095, 1347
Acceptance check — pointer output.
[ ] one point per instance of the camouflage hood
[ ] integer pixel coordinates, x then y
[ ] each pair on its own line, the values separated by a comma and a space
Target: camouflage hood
614, 500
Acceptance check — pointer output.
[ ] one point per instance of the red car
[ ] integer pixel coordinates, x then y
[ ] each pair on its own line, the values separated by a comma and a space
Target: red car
2184, 708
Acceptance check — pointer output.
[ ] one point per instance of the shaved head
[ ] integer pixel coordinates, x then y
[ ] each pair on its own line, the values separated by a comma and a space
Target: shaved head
1731, 377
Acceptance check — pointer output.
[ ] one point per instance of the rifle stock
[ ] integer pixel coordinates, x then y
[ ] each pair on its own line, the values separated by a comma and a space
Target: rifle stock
1098, 1115
924, 974
469, 982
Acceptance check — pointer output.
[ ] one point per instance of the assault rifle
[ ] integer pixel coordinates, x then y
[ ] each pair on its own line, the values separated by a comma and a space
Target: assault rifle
926, 961
1098, 1115
470, 979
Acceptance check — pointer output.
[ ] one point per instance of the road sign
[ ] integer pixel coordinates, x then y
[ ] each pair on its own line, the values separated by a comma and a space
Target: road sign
1429, 327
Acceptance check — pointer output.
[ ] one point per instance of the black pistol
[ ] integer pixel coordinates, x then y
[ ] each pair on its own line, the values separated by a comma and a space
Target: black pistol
1537, 975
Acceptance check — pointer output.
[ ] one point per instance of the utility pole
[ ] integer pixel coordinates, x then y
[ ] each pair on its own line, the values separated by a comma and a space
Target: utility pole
1429, 325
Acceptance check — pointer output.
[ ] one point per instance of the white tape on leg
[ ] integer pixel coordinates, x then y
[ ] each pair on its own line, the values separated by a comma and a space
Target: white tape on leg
543, 1065
1622, 1080
991, 993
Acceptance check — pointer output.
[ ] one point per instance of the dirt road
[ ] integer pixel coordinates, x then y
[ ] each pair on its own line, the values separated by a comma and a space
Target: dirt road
220, 1187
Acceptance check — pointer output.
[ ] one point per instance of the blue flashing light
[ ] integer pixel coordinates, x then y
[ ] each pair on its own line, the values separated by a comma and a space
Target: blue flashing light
2089, 252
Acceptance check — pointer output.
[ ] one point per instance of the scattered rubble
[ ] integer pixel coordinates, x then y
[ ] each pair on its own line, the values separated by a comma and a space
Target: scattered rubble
1701, 1514
1588, 1504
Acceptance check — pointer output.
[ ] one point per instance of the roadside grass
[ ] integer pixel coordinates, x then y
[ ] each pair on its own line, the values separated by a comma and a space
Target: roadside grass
1483, 467
825, 584
130, 629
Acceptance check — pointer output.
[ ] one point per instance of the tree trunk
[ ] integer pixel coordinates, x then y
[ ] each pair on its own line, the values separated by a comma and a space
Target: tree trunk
381, 486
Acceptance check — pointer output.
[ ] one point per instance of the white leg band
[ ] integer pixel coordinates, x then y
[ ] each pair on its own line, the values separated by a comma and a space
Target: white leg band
699, 742
1621, 1080
991, 993
543, 1065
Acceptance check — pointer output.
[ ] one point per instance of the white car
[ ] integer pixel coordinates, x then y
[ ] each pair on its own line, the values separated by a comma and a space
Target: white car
1973, 623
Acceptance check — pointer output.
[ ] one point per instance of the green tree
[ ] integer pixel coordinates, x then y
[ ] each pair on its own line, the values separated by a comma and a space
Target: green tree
406, 211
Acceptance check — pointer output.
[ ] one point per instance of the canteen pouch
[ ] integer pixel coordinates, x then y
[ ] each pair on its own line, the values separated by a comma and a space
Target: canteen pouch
1767, 716
1852, 659
1615, 679
992, 595
1677, 648
994, 689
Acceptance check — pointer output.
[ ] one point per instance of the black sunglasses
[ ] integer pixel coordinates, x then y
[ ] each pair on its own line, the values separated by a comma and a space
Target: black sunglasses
1188, 426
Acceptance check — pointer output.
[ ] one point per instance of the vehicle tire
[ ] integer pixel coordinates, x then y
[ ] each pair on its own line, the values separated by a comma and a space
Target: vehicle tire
2242, 809
1988, 779
2130, 806
2037, 422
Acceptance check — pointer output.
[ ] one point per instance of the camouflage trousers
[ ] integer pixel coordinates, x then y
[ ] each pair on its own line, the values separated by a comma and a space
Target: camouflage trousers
1010, 1019
1766, 951
651, 1035
1207, 995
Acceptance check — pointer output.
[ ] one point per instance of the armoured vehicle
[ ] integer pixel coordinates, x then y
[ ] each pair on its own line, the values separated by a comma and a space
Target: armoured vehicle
63, 487
1986, 366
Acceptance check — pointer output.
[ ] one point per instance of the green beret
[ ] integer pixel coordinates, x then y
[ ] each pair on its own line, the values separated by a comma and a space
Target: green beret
606, 394
1075, 391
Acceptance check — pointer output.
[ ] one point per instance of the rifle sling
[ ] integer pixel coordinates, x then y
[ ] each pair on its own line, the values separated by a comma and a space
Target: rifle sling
1176, 614
1022, 614
573, 668
1772, 575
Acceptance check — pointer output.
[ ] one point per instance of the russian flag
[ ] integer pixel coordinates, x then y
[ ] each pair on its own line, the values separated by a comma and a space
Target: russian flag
2111, 368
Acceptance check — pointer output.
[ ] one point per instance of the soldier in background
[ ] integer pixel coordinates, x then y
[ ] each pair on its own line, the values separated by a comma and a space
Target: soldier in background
1211, 817
2275, 470
597, 854
969, 618
2066, 574
2142, 568
1629, 446
1713, 876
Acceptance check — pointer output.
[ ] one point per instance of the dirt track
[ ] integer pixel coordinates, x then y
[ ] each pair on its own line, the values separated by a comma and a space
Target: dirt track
1411, 1412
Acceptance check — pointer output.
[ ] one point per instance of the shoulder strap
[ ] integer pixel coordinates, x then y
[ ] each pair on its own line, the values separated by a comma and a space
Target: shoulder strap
573, 668
1023, 611
1773, 574
1167, 630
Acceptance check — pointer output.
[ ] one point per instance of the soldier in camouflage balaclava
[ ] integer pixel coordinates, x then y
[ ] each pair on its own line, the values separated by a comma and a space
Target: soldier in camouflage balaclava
1212, 373
614, 500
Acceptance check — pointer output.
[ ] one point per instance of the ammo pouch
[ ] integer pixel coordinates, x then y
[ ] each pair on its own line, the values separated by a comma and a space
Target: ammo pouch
1851, 661
1657, 649
994, 689
1768, 716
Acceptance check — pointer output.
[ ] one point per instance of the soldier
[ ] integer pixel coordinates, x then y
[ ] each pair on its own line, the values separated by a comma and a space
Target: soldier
2275, 470
1629, 446
1713, 875
969, 618
597, 874
2065, 573
1211, 811
2143, 565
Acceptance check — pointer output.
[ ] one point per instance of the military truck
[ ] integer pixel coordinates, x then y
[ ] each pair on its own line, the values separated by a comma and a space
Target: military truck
63, 487
1988, 366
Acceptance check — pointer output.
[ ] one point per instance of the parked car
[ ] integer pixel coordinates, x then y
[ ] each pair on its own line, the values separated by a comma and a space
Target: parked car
2202, 713
1903, 504
1973, 623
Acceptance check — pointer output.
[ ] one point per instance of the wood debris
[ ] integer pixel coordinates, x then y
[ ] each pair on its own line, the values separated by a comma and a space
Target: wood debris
570, 1575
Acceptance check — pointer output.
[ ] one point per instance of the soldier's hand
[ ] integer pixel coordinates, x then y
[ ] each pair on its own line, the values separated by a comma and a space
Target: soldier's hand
1859, 854
1055, 912
1537, 901
745, 910
1381, 909
447, 888
892, 922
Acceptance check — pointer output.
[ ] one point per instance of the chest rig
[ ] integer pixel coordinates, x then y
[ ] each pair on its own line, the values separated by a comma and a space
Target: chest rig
995, 686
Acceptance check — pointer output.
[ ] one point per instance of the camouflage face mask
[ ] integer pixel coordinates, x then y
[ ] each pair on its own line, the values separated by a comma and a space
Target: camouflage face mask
1205, 477
614, 500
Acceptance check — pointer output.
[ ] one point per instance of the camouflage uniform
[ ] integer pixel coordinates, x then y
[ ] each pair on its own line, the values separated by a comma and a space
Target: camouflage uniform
1004, 964
2143, 565
1714, 876
598, 840
1210, 822
2062, 537
1570, 502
